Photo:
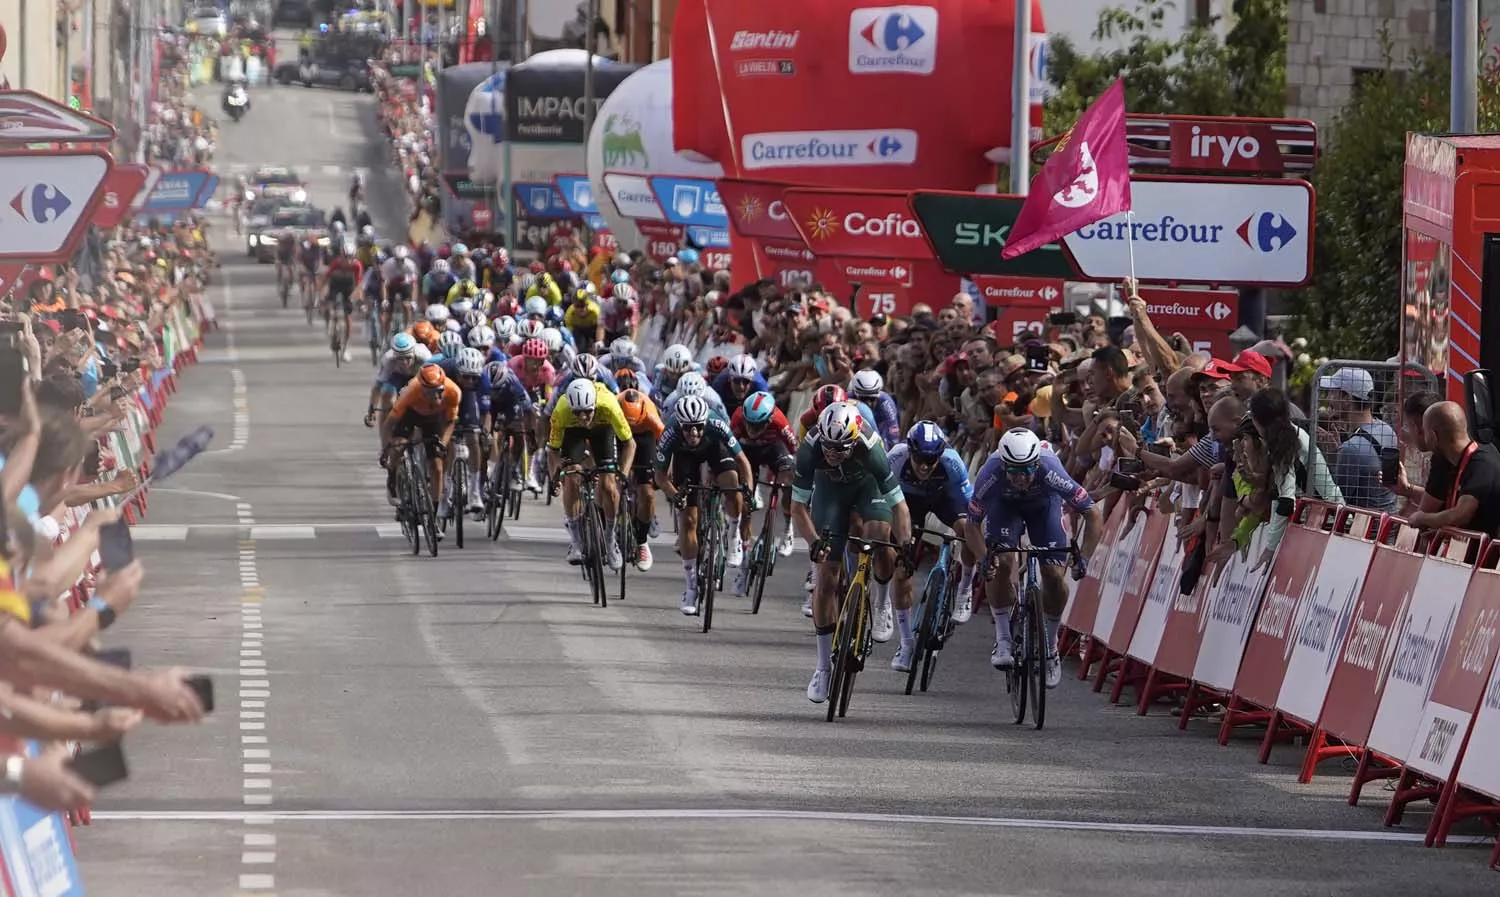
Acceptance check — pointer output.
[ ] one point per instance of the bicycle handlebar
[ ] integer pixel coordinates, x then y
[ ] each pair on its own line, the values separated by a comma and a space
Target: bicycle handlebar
861, 544
919, 531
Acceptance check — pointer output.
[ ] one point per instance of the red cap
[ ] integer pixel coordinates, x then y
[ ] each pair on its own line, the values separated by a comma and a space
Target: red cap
1214, 370
1249, 360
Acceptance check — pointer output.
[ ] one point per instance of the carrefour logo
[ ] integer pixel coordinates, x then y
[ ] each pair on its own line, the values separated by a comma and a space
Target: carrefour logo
803, 149
1266, 231
900, 40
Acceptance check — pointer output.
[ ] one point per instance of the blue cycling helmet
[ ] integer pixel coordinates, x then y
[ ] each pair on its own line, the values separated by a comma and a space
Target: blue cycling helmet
555, 316
688, 256
620, 277
926, 440
403, 344
758, 407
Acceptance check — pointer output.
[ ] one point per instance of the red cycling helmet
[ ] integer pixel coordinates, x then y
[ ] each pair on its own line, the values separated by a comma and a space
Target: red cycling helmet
828, 395
534, 348
716, 366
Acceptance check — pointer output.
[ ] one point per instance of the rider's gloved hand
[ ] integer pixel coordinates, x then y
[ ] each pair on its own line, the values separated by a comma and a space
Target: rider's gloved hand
751, 497
818, 551
370, 417
680, 500
991, 565
1080, 568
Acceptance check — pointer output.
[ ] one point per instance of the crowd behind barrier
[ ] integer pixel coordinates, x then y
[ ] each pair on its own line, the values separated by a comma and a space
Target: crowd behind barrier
102, 339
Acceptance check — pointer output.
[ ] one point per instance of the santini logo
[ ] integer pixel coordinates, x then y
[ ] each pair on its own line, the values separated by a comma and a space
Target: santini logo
804, 149
899, 40
764, 40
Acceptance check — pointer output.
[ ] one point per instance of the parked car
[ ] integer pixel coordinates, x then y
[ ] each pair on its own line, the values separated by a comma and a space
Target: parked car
208, 20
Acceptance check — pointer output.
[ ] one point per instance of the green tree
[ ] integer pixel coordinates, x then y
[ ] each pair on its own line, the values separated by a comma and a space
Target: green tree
1352, 308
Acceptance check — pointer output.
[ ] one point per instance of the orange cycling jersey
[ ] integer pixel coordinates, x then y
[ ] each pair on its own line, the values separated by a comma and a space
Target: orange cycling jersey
648, 420
416, 400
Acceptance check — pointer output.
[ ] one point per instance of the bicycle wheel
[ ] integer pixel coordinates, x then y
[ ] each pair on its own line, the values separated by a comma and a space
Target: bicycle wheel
1036, 656
925, 655
458, 501
429, 513
499, 493
1015, 677
336, 341
759, 569
708, 548
406, 499
625, 535
595, 557
846, 661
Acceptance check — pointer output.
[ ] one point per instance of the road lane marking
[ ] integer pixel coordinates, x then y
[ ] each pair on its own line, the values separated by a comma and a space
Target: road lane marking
255, 693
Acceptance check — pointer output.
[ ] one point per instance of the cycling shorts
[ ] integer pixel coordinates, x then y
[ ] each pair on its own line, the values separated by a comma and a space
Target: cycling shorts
597, 441
835, 501
642, 470
772, 455
430, 425
342, 285
469, 414
687, 466
1041, 522
945, 507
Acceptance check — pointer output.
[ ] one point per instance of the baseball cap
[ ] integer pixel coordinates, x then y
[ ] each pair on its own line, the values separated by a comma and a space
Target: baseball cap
1214, 370
1248, 360
1355, 381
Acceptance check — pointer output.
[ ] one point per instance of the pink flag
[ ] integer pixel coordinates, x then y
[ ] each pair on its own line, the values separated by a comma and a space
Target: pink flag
1086, 179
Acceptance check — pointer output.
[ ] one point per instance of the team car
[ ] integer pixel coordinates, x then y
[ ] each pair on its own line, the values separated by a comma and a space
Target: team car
300, 220
283, 183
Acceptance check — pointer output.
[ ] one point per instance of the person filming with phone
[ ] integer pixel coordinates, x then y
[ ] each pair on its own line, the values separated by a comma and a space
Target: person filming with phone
1465, 476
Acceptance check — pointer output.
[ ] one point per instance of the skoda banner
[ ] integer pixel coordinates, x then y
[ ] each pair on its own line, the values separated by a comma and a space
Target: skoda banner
968, 230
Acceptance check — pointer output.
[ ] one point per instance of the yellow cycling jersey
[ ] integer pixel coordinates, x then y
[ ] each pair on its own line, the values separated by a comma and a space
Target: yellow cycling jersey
366, 256
464, 289
552, 293
576, 318
607, 413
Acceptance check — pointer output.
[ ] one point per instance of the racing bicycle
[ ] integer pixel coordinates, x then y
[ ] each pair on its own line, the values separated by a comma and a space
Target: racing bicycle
630, 549
853, 639
935, 612
415, 508
713, 554
458, 488
762, 559
1027, 676
590, 528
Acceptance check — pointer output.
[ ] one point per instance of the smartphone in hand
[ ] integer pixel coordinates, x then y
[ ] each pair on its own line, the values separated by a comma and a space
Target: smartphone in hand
100, 765
116, 547
203, 686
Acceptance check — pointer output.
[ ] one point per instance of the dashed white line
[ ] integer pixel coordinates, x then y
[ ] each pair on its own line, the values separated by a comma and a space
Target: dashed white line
254, 696
241, 414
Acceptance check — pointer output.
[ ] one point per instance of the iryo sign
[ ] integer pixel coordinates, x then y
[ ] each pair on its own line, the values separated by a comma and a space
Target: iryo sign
1225, 146
857, 225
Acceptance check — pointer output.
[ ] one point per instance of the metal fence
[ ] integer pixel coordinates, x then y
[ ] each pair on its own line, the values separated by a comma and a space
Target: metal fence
1354, 421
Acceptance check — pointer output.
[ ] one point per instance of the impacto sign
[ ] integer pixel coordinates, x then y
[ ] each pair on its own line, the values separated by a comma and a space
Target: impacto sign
1250, 233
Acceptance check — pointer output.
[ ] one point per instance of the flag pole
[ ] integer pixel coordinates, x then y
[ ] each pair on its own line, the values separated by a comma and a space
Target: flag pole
1020, 102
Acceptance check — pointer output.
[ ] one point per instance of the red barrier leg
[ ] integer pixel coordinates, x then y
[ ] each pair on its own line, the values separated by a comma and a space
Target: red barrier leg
1111, 663
1371, 767
1411, 787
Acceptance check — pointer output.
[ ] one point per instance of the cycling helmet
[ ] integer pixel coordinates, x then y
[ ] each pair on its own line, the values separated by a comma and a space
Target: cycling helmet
581, 294
440, 266
622, 348
742, 367
867, 384
460, 249
505, 328
450, 344
692, 411
926, 440
624, 292
586, 366
531, 329
424, 354
367, 233
431, 376
555, 316
437, 315
453, 325
475, 318
553, 338
400, 252
633, 406
423, 332
1019, 448
619, 277
347, 250
758, 408
716, 365
481, 337
626, 378
678, 359
828, 395
403, 345
536, 305
838, 425
470, 362
461, 306
497, 372
688, 256
692, 384
534, 348
581, 396
622, 260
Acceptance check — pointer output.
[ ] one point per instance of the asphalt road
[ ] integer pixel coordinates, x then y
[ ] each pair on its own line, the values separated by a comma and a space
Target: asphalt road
471, 724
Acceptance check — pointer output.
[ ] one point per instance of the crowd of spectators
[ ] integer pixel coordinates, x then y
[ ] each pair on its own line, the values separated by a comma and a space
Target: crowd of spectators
82, 346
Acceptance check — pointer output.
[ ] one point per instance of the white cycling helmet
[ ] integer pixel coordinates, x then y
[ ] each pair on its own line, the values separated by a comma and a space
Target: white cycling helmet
581, 395
524, 283
1019, 448
586, 366
742, 367
470, 363
536, 305
624, 292
692, 410
475, 318
437, 315
838, 425
481, 337
505, 328
450, 344
867, 384
553, 338
453, 325
622, 348
532, 329
424, 354
461, 307
692, 384
678, 359
498, 371
440, 266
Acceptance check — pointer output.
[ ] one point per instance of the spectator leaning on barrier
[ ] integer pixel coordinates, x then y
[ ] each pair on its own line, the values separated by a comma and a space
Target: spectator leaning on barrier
1465, 476
1357, 459
1414, 438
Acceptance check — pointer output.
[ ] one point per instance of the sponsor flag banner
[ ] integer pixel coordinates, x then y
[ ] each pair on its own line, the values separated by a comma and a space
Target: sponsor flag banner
756, 211
857, 224
875, 273
1031, 292
1087, 178
1176, 309
1205, 231
969, 230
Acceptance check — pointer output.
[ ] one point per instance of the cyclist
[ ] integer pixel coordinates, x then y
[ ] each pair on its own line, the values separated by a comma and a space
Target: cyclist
767, 438
356, 190
646, 423
426, 335
621, 312
588, 419
584, 367
844, 485
693, 384
869, 387
466, 368
546, 289
831, 394
738, 381
623, 353
397, 366
429, 404
716, 366
693, 440
310, 257
505, 339
511, 411
934, 480
1022, 488
438, 281
462, 290
365, 246
675, 361
463, 264
449, 345
398, 275
558, 349
286, 258
341, 278
584, 319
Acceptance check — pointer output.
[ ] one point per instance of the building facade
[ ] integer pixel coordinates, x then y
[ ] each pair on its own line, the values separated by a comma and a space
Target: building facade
1332, 44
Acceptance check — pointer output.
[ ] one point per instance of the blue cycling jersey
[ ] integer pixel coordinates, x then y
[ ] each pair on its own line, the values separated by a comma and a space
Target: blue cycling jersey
496, 354
721, 386
715, 406
994, 492
887, 418
605, 377
474, 402
949, 480
509, 400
